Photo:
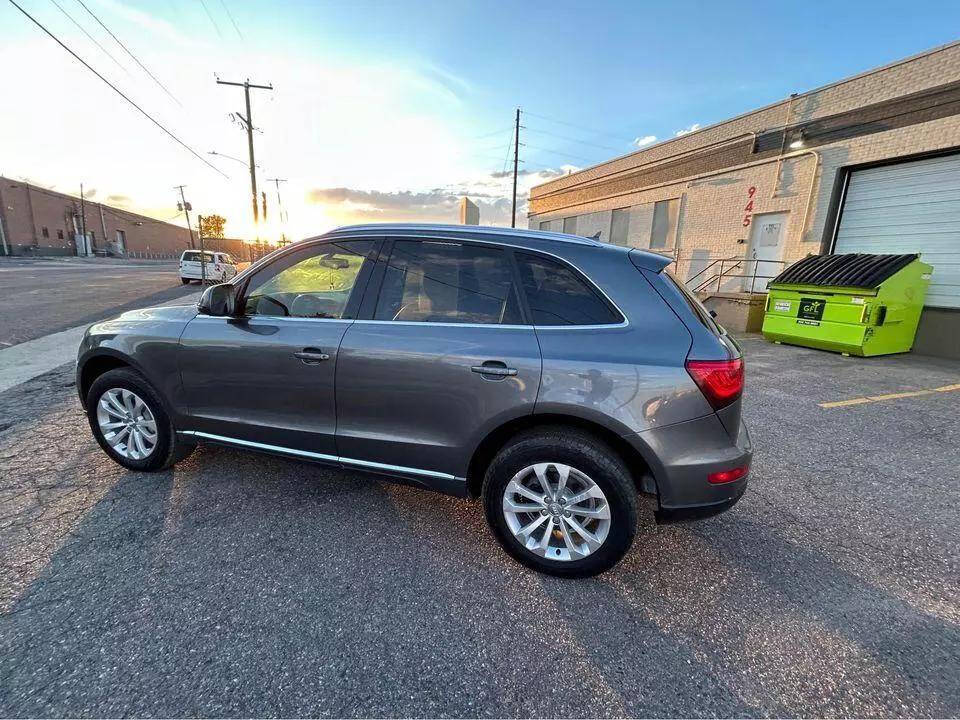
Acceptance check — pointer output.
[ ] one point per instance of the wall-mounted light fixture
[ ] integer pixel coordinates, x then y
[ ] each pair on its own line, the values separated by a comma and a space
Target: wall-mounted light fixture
799, 142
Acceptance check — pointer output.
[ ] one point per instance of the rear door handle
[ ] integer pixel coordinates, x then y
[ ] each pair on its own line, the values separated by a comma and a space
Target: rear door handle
494, 367
311, 356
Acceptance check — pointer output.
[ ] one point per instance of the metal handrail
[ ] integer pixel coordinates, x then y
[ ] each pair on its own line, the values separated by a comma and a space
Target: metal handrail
724, 274
718, 260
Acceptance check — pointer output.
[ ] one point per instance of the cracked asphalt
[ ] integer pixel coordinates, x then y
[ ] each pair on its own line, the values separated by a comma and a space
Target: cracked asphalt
238, 584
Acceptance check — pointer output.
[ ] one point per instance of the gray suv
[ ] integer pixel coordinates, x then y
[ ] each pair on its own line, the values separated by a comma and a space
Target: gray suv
553, 376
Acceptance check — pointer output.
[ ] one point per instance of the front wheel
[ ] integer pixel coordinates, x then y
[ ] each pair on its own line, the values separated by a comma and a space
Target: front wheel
128, 420
561, 501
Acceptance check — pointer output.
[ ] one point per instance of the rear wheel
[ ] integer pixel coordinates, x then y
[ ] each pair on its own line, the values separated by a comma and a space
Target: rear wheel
185, 281
128, 420
561, 501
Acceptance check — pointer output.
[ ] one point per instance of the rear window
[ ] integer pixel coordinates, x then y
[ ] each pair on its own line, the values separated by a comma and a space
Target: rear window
560, 296
699, 311
194, 256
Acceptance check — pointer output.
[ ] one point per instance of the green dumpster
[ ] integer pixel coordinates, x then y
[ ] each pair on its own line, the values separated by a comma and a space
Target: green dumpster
856, 304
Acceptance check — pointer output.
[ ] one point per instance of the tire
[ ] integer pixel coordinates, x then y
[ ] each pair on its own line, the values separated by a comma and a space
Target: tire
185, 281
124, 383
590, 461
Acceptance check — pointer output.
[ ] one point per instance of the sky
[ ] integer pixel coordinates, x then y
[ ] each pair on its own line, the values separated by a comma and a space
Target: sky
392, 111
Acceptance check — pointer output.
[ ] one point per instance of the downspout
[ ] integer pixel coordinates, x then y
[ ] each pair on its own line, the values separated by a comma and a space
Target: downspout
3, 234
783, 144
813, 185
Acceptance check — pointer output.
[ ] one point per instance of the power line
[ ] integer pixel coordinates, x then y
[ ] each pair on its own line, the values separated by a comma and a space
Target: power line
557, 152
125, 49
118, 91
212, 21
232, 21
578, 127
92, 38
575, 140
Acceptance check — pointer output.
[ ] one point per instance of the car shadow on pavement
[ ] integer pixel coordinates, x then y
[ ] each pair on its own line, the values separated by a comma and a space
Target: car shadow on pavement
237, 584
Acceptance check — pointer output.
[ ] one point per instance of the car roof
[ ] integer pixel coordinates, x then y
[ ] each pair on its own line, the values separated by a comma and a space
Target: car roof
466, 231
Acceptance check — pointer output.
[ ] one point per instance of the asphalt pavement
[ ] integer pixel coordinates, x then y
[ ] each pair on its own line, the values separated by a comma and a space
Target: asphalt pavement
238, 584
47, 295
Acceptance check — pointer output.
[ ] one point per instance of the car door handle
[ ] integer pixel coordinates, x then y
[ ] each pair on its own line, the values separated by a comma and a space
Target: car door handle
311, 356
494, 368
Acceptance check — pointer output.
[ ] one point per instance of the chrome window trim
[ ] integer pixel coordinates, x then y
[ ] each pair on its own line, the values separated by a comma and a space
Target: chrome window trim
533, 251
319, 456
271, 318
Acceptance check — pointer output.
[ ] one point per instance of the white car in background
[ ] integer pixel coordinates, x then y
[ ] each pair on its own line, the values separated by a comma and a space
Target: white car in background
220, 266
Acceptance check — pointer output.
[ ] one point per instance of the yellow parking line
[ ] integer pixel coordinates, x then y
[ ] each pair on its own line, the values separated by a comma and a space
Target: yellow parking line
890, 396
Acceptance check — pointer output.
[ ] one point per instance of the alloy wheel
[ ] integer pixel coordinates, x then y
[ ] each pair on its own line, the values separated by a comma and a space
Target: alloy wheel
556, 511
127, 423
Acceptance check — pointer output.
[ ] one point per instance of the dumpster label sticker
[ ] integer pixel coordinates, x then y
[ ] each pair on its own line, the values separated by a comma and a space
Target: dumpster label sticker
856, 301
808, 322
811, 309
782, 306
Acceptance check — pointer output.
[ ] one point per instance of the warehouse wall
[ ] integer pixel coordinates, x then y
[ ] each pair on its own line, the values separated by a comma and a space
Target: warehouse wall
711, 171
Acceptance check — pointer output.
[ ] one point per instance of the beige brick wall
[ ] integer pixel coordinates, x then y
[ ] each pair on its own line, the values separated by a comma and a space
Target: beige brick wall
713, 205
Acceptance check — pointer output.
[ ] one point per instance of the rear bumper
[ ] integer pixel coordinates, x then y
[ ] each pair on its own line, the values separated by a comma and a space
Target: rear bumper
681, 456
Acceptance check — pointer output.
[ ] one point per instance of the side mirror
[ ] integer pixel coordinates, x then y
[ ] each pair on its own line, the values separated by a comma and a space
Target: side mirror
218, 300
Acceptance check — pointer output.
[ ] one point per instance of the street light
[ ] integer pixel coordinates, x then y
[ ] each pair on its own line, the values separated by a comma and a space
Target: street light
230, 157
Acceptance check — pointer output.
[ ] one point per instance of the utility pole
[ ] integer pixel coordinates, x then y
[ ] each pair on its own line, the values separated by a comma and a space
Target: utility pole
186, 207
83, 221
248, 121
276, 182
516, 160
203, 257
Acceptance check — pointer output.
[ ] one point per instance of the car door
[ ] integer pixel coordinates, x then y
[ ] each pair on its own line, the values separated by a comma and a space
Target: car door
440, 356
266, 377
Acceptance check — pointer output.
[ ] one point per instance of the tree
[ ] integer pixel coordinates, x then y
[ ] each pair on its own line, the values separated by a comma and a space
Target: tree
213, 226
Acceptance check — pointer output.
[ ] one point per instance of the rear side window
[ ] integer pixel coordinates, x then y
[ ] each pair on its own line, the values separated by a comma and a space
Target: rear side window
558, 295
434, 281
696, 307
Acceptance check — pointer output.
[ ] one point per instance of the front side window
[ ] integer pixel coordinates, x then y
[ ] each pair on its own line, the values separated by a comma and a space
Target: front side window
314, 284
559, 296
436, 281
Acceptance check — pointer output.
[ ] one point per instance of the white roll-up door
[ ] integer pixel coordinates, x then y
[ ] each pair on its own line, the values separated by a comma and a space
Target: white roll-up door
904, 208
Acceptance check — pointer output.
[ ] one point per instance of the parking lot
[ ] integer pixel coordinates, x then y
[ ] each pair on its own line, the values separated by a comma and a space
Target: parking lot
239, 584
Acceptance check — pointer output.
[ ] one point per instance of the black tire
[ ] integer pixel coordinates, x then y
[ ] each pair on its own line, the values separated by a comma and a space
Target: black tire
586, 453
168, 450
185, 281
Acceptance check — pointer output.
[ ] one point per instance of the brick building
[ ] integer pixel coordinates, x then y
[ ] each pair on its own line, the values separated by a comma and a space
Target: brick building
866, 164
38, 221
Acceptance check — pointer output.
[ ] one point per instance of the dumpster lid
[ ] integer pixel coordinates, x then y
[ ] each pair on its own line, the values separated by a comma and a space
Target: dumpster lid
854, 270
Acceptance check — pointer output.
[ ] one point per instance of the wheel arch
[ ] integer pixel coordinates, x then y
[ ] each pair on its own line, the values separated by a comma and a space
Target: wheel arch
640, 468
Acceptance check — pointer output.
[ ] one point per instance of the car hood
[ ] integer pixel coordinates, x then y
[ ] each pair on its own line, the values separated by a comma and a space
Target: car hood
161, 312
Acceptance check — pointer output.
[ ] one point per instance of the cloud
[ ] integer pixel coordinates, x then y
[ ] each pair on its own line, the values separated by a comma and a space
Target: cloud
645, 140
119, 199
687, 130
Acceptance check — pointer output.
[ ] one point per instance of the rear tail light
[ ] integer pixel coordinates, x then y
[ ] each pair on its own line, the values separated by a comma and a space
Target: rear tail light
721, 381
725, 476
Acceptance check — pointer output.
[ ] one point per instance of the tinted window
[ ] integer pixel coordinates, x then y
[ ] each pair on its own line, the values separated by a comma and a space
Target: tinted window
195, 257
428, 281
559, 296
314, 284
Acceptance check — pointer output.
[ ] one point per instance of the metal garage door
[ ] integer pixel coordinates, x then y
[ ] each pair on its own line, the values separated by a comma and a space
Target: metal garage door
908, 207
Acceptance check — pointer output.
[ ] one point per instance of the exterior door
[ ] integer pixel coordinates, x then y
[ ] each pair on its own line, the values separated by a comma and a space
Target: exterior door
267, 376
767, 239
439, 358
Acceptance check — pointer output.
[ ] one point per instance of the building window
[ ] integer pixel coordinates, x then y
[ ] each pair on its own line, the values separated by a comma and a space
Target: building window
665, 215
45, 232
620, 226
59, 234
544, 224
570, 225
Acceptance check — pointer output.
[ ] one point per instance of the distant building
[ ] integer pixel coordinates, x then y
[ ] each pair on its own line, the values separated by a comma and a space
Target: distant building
38, 221
469, 212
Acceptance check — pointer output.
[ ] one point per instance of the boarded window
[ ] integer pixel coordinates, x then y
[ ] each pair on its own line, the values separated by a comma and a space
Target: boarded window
665, 214
570, 225
620, 226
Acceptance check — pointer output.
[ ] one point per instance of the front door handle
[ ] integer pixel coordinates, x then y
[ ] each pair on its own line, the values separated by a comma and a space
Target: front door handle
494, 367
311, 356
